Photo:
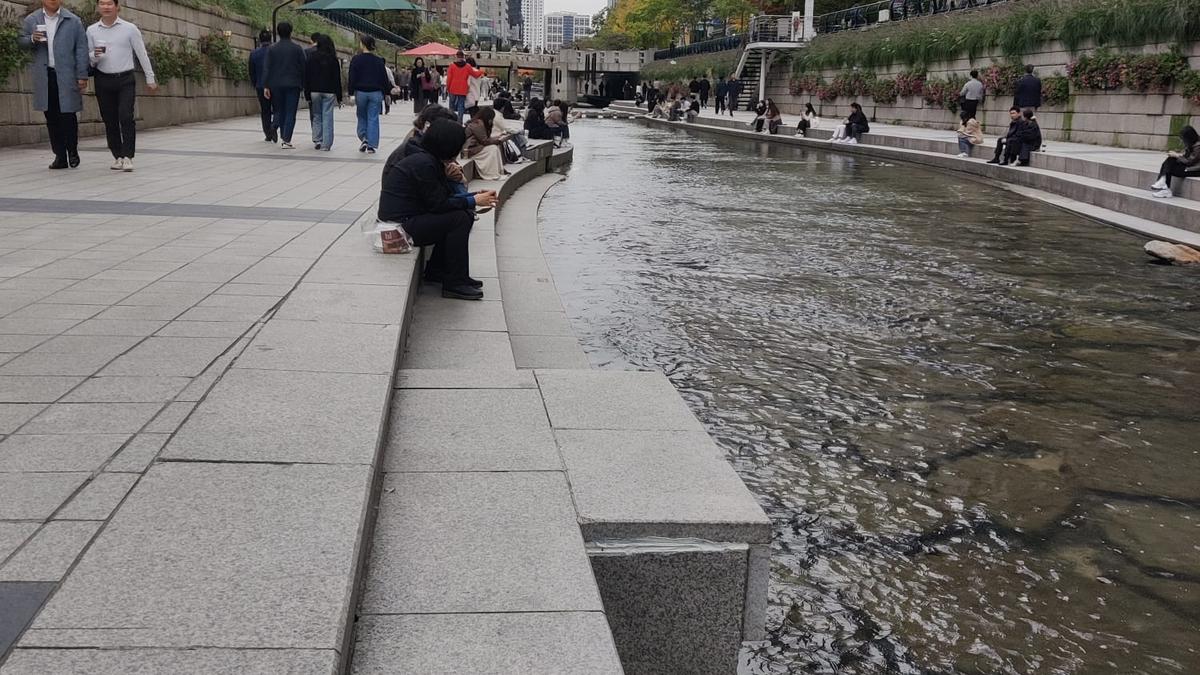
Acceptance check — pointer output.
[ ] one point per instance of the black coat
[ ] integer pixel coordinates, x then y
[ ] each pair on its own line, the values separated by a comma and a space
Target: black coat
861, 120
1028, 93
1014, 129
323, 75
535, 126
416, 184
284, 66
1030, 134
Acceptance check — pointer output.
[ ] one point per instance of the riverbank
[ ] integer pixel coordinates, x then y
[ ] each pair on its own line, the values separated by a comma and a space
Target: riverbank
1104, 184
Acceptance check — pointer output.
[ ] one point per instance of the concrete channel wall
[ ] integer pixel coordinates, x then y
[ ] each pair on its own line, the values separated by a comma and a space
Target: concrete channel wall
1118, 118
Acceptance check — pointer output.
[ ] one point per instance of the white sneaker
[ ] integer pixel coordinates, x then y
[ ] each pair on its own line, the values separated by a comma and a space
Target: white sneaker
1160, 184
127, 164
961, 154
118, 164
851, 141
286, 146
1164, 193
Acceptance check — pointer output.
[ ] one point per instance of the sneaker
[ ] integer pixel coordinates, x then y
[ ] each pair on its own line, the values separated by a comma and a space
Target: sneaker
286, 146
961, 155
370, 150
128, 166
993, 161
462, 292
1164, 193
1160, 184
852, 141
363, 147
118, 164
316, 146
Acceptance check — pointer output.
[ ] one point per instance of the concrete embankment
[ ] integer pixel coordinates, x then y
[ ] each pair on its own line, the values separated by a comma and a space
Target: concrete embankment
1112, 191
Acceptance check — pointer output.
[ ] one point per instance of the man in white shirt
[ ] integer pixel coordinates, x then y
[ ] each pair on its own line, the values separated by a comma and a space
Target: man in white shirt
59, 72
112, 45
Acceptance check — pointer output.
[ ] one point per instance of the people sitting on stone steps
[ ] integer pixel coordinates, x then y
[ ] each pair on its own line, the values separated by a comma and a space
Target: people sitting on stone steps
970, 134
417, 194
412, 144
852, 130
774, 117
1024, 136
760, 116
693, 110
535, 121
483, 146
1179, 164
809, 121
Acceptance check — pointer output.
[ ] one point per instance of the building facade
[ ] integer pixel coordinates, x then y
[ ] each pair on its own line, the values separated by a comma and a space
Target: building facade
533, 34
447, 11
563, 28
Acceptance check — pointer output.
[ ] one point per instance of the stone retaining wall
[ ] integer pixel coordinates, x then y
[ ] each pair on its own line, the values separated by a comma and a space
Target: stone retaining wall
176, 102
1120, 118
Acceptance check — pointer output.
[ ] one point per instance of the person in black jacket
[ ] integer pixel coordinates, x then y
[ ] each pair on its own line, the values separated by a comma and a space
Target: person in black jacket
418, 76
368, 80
1010, 139
258, 59
705, 88
1029, 140
760, 115
855, 126
322, 86
1028, 93
535, 121
283, 80
1183, 164
417, 194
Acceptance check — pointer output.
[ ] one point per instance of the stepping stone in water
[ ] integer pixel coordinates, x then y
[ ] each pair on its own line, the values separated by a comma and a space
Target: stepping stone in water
1173, 253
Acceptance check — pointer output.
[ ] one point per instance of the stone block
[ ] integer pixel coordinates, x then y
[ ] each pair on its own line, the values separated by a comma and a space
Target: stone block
465, 379
323, 347
138, 328
506, 430
548, 351
383, 270
170, 418
205, 329
477, 542
623, 400
344, 303
35, 388
12, 535
33, 364
50, 553
35, 496
194, 660
98, 498
92, 418
138, 453
435, 313
285, 416
166, 356
658, 484
13, 415
227, 556
536, 322
458, 350
532, 643
674, 612
131, 389
58, 452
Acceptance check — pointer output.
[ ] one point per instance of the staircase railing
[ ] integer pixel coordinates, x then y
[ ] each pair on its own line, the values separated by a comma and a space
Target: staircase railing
720, 44
776, 28
870, 14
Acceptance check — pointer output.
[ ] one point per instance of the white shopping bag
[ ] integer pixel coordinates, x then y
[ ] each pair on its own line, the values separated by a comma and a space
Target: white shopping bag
390, 238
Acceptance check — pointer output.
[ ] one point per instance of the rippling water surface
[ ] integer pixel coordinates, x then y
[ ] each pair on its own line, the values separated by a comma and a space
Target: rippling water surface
973, 419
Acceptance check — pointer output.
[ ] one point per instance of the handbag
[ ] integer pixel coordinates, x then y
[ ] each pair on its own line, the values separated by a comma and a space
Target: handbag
512, 154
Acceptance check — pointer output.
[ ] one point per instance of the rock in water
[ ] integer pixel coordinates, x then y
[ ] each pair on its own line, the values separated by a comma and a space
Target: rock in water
1173, 253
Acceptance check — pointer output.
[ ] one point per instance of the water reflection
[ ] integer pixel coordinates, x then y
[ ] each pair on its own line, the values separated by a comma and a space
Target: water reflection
971, 417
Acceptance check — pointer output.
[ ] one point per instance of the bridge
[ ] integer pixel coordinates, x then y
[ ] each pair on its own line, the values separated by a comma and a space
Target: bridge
569, 74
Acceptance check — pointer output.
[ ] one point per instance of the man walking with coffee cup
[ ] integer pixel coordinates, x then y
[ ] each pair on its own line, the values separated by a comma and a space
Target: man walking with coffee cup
113, 43
59, 70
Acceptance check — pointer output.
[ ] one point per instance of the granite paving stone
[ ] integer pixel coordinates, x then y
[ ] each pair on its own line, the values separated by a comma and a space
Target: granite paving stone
220, 314
58, 452
548, 351
138, 313
149, 661
35, 496
127, 389
35, 388
92, 418
56, 311
447, 314
98, 498
323, 347
658, 484
464, 379
477, 542
12, 535
505, 430
529, 643
624, 400
21, 600
376, 270
169, 356
13, 415
61, 365
344, 303
139, 328
285, 416
19, 326
138, 453
20, 343
170, 418
221, 555
458, 350
51, 552
538, 322
205, 329
108, 346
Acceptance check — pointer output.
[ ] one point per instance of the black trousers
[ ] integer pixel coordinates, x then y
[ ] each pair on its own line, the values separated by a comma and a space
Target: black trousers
970, 107
703, 99
1172, 167
758, 123
732, 103
115, 96
803, 126
264, 111
720, 106
1001, 149
63, 126
448, 233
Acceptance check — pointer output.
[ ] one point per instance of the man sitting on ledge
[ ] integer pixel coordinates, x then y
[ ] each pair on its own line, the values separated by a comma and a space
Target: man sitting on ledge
417, 194
1010, 139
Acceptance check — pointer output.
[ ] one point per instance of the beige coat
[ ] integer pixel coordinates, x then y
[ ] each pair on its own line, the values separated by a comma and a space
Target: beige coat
972, 131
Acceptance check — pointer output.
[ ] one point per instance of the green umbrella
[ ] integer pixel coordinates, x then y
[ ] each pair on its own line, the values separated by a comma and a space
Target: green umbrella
362, 5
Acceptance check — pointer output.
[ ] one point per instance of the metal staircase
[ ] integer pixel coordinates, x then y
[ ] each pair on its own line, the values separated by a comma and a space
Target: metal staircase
748, 72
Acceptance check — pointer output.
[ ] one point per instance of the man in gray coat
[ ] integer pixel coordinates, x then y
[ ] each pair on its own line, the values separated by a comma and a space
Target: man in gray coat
59, 44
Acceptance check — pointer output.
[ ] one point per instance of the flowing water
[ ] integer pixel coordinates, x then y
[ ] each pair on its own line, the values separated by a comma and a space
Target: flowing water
973, 419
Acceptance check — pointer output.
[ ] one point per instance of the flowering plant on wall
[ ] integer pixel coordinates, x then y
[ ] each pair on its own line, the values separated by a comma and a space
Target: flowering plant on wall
1001, 79
1142, 73
910, 83
806, 82
883, 90
1056, 90
1189, 86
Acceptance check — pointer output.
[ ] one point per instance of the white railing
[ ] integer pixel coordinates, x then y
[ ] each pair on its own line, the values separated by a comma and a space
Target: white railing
777, 28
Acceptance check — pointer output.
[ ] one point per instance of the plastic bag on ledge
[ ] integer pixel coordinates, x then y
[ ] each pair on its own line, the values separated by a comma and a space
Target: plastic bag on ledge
390, 238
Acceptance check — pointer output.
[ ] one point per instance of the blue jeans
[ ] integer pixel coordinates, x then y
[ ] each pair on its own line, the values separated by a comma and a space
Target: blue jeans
459, 105
322, 118
284, 103
369, 105
964, 145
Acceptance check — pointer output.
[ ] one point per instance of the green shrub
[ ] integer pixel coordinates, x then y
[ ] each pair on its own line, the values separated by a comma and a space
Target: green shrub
216, 48
12, 57
883, 90
177, 60
1142, 73
1189, 86
720, 64
1056, 90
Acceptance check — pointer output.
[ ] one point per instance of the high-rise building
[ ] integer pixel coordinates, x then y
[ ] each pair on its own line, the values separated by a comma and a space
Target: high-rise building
533, 35
470, 11
514, 21
564, 28
447, 11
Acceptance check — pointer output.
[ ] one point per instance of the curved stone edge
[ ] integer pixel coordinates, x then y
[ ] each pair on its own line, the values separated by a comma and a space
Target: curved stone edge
1057, 189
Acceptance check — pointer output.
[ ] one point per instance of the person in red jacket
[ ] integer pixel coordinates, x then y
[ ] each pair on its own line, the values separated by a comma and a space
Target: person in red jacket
458, 83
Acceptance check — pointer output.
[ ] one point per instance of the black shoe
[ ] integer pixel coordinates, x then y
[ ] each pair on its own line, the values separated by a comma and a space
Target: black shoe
462, 292
993, 161
363, 147
72, 158
433, 279
59, 163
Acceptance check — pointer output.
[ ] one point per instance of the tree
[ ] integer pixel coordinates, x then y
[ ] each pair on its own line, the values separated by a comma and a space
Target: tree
438, 31
406, 24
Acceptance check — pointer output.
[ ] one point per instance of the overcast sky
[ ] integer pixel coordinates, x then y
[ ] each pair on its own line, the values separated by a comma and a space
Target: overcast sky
588, 7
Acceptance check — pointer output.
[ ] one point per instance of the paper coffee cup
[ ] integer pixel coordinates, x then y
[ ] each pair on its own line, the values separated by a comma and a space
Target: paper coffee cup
102, 46
40, 28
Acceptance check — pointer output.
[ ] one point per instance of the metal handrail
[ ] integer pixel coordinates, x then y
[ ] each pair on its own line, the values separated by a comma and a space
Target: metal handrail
872, 13
775, 28
360, 24
719, 44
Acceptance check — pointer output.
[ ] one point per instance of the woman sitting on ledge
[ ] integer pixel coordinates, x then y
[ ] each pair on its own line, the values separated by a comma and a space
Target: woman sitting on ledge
535, 121
809, 121
482, 146
417, 194
969, 134
855, 126
1179, 164
774, 118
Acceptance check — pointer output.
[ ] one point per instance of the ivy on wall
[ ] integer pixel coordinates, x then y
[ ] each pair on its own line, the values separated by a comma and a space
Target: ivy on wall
178, 60
12, 57
216, 48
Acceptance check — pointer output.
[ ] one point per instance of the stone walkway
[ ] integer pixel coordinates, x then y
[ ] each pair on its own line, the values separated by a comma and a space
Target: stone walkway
124, 299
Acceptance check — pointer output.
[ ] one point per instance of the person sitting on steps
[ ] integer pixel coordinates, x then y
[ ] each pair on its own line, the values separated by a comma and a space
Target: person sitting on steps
809, 121
760, 115
774, 118
693, 110
969, 134
1030, 140
1179, 164
855, 126
1014, 127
